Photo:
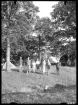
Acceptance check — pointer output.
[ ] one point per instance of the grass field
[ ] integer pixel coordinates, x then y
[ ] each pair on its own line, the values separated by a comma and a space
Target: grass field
30, 88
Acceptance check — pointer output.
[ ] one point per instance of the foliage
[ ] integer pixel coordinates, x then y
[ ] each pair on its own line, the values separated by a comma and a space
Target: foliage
64, 23
65, 17
19, 24
44, 33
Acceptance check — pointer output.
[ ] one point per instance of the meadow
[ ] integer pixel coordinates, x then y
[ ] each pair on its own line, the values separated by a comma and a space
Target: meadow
30, 88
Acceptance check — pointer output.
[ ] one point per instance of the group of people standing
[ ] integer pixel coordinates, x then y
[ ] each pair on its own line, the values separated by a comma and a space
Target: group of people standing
43, 64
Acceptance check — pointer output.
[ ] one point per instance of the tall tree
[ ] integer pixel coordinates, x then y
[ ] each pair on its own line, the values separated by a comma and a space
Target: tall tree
44, 32
65, 17
64, 22
17, 20
7, 7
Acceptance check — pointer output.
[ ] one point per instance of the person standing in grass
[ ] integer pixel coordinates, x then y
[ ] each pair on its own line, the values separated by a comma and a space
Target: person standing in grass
34, 65
57, 67
44, 66
48, 66
58, 63
21, 66
29, 65
37, 63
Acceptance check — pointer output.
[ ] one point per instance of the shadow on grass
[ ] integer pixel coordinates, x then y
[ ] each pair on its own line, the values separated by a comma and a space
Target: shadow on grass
16, 70
21, 97
38, 72
25, 71
59, 88
54, 73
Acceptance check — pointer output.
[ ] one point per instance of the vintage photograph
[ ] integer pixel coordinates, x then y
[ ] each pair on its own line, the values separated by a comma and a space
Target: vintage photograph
38, 61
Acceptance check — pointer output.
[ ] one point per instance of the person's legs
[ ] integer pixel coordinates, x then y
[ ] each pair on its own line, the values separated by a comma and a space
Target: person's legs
57, 68
44, 66
34, 66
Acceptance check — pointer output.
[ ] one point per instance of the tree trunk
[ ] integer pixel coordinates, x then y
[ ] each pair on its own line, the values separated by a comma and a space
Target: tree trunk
8, 39
8, 55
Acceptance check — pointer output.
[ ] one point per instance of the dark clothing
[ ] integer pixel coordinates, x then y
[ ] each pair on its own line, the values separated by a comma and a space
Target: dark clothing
57, 68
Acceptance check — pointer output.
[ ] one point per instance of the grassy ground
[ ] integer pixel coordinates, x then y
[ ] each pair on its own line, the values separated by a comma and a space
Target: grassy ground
29, 88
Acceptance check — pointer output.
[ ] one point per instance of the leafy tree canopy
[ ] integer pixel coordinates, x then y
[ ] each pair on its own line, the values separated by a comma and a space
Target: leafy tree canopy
19, 23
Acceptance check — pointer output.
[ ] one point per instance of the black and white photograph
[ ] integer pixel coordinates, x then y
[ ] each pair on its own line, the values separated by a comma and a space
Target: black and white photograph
38, 46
